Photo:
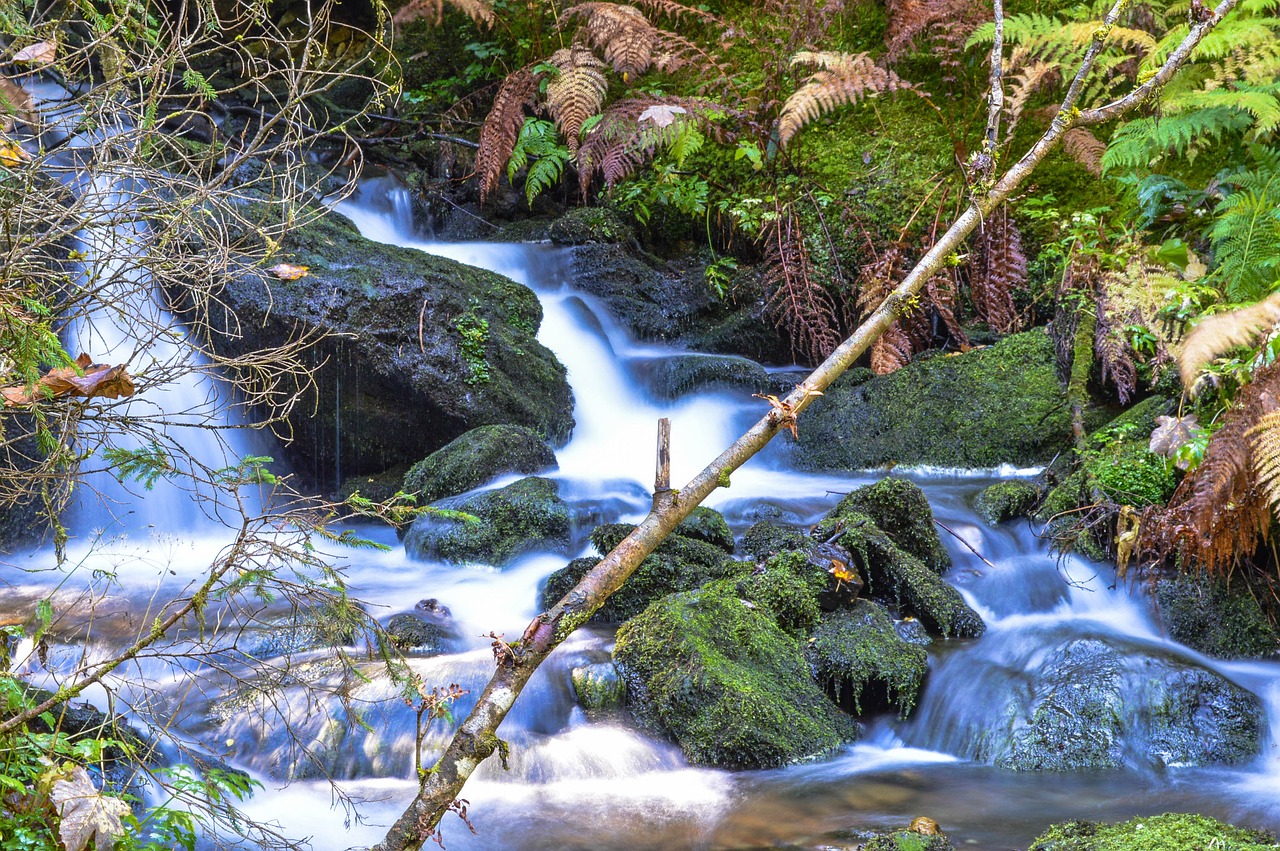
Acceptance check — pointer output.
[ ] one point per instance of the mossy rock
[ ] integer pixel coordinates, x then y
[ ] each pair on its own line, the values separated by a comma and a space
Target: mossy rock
902, 511
719, 676
789, 586
408, 632
1129, 474
1167, 832
526, 516
413, 350
768, 537
1006, 500
1215, 618
599, 689
673, 377
863, 663
908, 840
679, 564
707, 524
583, 225
477, 457
997, 405
1135, 424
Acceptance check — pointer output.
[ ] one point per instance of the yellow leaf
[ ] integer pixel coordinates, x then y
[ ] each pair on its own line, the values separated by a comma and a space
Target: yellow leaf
288, 271
40, 53
12, 155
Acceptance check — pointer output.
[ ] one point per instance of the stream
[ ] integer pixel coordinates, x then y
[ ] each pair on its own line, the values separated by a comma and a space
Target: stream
592, 785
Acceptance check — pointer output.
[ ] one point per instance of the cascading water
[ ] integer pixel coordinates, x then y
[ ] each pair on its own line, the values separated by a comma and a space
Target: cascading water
579, 784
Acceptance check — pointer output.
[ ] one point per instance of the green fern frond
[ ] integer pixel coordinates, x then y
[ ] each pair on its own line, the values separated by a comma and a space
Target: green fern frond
1260, 103
538, 149
1246, 244
1143, 140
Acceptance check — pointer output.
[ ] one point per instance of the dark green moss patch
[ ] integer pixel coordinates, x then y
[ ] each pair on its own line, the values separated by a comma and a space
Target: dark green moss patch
1214, 618
1006, 500
863, 663
767, 538
901, 510
707, 524
1168, 832
523, 517
478, 457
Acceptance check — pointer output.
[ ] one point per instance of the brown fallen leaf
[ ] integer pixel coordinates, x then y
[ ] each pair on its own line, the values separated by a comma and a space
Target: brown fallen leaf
289, 272
40, 53
15, 103
12, 155
1171, 434
87, 817
98, 380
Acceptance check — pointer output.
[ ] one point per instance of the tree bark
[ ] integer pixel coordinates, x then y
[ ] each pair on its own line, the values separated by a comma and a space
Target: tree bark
476, 739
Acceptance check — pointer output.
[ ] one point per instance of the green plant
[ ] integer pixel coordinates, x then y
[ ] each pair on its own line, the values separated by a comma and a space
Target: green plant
474, 331
539, 150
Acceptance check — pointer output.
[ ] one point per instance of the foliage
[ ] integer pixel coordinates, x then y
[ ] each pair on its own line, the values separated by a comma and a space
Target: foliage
539, 150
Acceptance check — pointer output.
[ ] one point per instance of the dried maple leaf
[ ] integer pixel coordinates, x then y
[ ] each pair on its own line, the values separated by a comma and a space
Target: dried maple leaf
289, 272
1171, 433
87, 816
87, 379
40, 53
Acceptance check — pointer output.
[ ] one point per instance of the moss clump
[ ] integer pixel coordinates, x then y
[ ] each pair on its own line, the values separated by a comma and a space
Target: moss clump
679, 564
707, 524
908, 840
1153, 833
767, 538
583, 225
996, 405
857, 653
523, 517
1005, 501
477, 457
1215, 618
789, 587
900, 509
1131, 475
732, 689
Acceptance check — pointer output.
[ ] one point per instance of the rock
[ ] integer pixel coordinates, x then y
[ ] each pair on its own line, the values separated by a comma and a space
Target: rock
997, 405
901, 510
586, 225
1210, 616
767, 538
599, 689
1006, 500
716, 674
423, 636
679, 564
1147, 833
419, 349
707, 524
912, 631
789, 587
909, 840
1089, 703
526, 516
476, 458
300, 631
863, 663
673, 377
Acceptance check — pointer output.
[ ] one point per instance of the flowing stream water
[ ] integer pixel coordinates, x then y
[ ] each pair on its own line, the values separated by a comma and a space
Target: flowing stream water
579, 784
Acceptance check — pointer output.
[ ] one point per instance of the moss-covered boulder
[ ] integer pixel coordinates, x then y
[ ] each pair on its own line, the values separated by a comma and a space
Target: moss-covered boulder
1006, 500
673, 377
409, 632
1165, 832
707, 524
791, 587
768, 537
909, 840
586, 225
680, 563
1215, 618
598, 688
477, 457
415, 350
863, 663
717, 674
1090, 704
526, 516
901, 510
998, 405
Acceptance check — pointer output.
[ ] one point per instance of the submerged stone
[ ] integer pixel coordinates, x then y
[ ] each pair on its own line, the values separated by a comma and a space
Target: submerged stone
526, 516
1001, 404
598, 688
476, 458
673, 377
1005, 501
719, 676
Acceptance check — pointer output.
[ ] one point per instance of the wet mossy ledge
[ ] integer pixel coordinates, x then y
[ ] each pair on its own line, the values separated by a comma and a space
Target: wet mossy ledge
1002, 404
477, 458
526, 516
1167, 832
415, 350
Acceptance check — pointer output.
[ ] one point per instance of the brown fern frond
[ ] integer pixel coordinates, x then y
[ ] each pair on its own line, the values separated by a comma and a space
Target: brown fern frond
502, 126
1222, 332
1265, 445
999, 269
632, 131
1113, 352
842, 79
621, 33
892, 350
909, 18
1220, 511
1025, 79
1085, 148
796, 301
943, 294
577, 92
477, 10
677, 11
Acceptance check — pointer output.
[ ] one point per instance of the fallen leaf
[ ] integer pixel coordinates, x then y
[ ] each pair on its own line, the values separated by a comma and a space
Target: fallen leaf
87, 816
40, 53
12, 155
1171, 433
662, 114
90, 380
289, 272
15, 103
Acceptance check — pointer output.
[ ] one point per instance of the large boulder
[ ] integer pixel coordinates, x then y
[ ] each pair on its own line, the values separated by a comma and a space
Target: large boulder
526, 516
1001, 404
717, 674
415, 350
476, 458
859, 657
902, 511
680, 563
1215, 618
676, 376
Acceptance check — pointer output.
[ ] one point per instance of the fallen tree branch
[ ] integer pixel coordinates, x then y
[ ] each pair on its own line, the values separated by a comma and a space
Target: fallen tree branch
476, 739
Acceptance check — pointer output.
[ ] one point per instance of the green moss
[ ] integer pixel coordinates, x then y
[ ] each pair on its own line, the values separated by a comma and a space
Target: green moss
858, 651
707, 524
1153, 833
589, 224
731, 688
1214, 618
901, 510
997, 405
788, 587
476, 457
523, 517
1131, 475
598, 688
906, 840
1006, 500
767, 538
474, 330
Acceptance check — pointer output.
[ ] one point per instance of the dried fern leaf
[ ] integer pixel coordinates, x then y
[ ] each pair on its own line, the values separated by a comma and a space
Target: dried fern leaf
1026, 79
1000, 268
621, 33
1265, 446
477, 10
1222, 332
842, 79
1085, 148
577, 92
795, 300
909, 18
891, 351
502, 126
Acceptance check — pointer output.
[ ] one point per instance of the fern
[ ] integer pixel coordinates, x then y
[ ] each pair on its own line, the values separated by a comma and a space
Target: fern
1001, 268
842, 79
1141, 141
479, 11
1085, 148
503, 125
633, 132
539, 150
795, 299
577, 92
909, 18
1246, 232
